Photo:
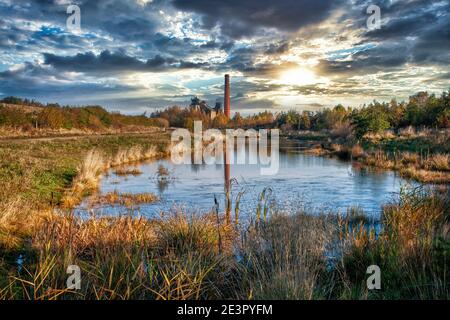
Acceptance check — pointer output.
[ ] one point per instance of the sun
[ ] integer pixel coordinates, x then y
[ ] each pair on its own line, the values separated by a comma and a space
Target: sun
298, 76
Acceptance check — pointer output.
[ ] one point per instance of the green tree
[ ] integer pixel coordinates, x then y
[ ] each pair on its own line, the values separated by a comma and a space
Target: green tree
371, 119
305, 121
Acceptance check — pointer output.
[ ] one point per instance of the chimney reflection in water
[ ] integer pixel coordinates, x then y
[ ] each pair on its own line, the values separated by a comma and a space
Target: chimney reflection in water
227, 184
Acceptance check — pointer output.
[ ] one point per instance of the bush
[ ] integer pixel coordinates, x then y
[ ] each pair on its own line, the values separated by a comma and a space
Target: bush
51, 117
14, 117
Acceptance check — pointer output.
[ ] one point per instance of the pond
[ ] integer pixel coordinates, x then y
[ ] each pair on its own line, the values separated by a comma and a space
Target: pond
319, 184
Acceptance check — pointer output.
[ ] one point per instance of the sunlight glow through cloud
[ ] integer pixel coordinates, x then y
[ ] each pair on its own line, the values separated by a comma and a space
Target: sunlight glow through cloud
161, 53
298, 76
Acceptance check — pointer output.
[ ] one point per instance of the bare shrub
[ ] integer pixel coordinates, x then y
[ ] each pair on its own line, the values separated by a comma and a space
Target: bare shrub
342, 130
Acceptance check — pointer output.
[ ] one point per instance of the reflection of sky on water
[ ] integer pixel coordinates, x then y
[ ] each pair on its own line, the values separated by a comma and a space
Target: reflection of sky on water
318, 183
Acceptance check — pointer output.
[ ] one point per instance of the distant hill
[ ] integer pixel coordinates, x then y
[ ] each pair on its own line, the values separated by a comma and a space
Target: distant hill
28, 115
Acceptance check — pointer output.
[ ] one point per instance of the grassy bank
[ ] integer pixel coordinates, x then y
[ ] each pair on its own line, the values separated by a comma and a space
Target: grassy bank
38, 175
39, 171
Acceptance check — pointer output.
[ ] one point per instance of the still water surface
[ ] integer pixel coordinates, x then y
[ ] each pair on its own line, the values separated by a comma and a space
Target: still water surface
317, 183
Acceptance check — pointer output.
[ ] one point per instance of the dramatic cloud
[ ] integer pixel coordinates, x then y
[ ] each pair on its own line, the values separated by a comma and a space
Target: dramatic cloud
107, 62
135, 55
237, 18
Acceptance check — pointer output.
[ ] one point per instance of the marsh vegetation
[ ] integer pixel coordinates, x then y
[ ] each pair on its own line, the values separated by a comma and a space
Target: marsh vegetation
288, 256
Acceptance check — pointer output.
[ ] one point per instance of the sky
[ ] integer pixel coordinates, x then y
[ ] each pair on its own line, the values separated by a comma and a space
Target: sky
137, 56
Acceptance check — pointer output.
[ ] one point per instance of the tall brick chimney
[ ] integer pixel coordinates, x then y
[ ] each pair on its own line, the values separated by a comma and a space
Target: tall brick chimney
226, 104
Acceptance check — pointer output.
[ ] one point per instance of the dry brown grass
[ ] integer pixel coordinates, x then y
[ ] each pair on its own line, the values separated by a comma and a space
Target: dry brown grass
433, 169
90, 169
426, 175
380, 160
18, 220
357, 152
125, 199
133, 154
342, 151
32, 132
85, 236
409, 158
34, 174
387, 134
193, 257
127, 171
175, 231
438, 161
13, 224
335, 147
415, 223
11, 132
199, 233
86, 180
316, 150
178, 257
407, 132
283, 259
410, 250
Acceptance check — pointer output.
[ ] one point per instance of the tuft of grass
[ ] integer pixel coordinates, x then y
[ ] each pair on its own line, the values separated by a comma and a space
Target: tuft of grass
409, 158
86, 180
133, 154
127, 171
284, 258
438, 161
425, 175
411, 251
357, 152
263, 206
14, 224
125, 199
356, 215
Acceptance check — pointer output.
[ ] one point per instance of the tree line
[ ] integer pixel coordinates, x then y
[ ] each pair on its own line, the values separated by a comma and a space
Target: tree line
421, 110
